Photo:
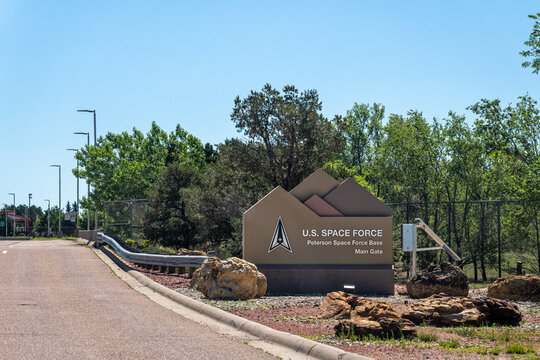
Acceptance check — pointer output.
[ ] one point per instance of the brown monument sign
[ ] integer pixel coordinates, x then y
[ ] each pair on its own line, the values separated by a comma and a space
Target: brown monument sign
321, 236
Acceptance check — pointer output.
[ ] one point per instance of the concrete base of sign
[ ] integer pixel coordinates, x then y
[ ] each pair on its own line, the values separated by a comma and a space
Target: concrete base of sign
322, 279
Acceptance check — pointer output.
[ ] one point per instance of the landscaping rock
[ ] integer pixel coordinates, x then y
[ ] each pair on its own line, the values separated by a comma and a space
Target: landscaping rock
384, 328
233, 278
373, 310
520, 287
261, 284
441, 310
444, 278
364, 317
337, 305
499, 311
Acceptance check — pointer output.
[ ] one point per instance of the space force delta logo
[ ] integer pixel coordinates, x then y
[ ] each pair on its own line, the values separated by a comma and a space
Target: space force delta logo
280, 237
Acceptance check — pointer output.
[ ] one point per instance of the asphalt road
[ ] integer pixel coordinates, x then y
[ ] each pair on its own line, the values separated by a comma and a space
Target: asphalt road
59, 301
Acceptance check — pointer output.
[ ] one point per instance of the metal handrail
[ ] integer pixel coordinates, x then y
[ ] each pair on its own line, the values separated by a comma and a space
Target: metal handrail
152, 259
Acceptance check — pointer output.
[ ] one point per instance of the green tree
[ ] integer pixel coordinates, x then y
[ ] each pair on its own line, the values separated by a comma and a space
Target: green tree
169, 221
533, 46
362, 127
123, 166
228, 188
288, 131
515, 132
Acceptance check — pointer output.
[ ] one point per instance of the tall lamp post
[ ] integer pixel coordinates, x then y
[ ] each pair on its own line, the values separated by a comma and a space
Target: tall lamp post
14, 212
95, 144
5, 213
77, 224
48, 218
88, 193
29, 199
59, 198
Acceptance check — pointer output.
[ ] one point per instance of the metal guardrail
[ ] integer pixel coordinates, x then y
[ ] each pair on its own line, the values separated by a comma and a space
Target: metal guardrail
152, 259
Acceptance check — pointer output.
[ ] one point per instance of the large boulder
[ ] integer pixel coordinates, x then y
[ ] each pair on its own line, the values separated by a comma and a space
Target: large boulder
233, 278
441, 310
444, 278
520, 287
499, 311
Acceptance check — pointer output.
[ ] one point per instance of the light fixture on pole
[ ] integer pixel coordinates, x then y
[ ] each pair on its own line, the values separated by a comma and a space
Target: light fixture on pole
77, 224
95, 144
59, 199
88, 190
14, 212
5, 213
48, 218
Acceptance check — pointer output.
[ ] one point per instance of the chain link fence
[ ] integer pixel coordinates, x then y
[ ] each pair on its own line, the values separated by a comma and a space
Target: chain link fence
123, 218
491, 236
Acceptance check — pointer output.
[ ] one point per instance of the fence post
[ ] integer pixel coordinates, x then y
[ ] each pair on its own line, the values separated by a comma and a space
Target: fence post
131, 217
499, 234
104, 216
449, 231
409, 258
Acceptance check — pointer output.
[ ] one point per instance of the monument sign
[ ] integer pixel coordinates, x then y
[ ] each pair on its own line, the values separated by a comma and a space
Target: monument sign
321, 236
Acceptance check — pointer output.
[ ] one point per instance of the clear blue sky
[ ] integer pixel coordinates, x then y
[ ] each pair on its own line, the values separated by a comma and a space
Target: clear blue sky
183, 62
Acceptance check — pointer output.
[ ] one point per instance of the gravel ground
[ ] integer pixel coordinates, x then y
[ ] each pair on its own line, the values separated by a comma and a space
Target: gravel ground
298, 315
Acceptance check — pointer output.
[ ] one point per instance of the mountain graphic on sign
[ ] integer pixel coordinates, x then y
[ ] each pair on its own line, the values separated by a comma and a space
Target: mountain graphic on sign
280, 237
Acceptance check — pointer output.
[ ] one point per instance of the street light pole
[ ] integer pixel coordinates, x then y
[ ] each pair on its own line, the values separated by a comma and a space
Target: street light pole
5, 213
77, 224
88, 190
95, 144
14, 213
59, 198
48, 218
29, 198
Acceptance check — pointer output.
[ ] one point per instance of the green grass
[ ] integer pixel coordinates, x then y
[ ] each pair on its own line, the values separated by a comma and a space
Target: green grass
449, 344
428, 337
302, 319
156, 249
509, 261
479, 285
465, 331
518, 349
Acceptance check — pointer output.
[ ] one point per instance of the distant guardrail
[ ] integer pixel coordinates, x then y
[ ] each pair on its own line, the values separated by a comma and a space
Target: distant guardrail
152, 259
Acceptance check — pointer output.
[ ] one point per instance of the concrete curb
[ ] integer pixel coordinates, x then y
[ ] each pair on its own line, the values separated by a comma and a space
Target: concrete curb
300, 345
